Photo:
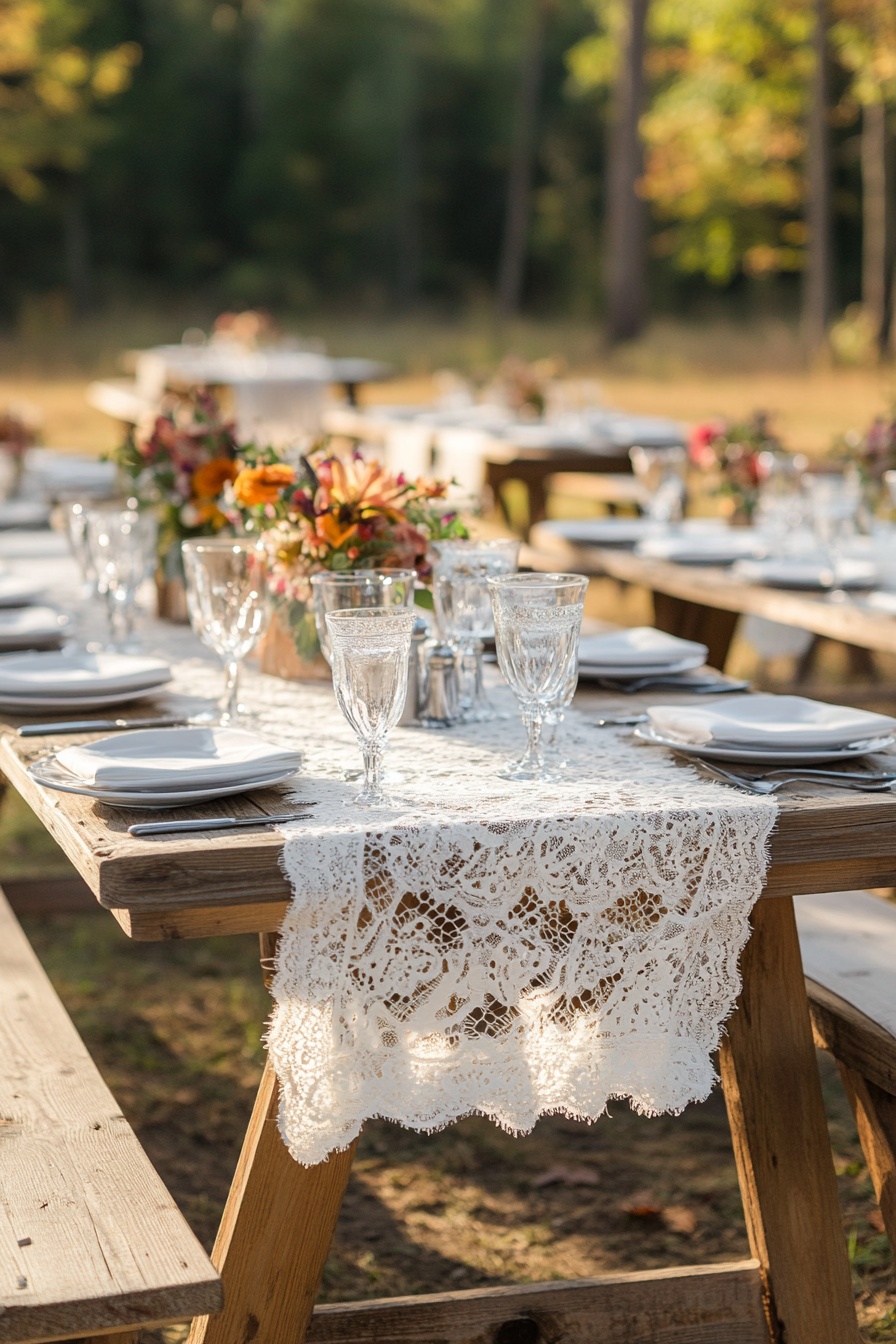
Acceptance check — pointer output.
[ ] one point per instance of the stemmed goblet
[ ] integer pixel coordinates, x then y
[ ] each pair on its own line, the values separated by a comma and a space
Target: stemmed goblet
356, 588
464, 609
369, 656
122, 546
834, 501
227, 604
538, 618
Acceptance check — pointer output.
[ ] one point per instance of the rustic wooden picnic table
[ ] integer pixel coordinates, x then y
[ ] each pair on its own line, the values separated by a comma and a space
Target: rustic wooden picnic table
280, 1216
704, 602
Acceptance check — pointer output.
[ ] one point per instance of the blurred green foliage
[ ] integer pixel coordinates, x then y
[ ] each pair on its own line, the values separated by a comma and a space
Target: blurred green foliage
307, 154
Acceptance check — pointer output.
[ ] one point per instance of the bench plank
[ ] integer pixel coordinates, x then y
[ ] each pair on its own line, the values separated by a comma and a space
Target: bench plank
90, 1239
848, 942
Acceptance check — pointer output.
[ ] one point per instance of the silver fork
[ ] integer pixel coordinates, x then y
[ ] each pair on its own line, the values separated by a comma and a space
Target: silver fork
766, 786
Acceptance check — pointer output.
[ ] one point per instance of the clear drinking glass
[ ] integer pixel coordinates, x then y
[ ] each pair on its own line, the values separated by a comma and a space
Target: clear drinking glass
464, 608
72, 519
122, 546
663, 474
226, 599
834, 503
538, 618
356, 588
369, 656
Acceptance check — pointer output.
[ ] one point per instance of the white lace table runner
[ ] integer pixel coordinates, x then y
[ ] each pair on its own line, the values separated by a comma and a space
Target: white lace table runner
502, 949
497, 948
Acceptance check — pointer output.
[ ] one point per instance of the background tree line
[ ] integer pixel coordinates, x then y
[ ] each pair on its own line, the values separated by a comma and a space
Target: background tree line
575, 156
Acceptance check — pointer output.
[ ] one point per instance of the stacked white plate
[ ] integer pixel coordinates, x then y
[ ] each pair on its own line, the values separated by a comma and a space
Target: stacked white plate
624, 533
808, 574
709, 546
167, 767
771, 729
627, 655
18, 592
32, 628
77, 681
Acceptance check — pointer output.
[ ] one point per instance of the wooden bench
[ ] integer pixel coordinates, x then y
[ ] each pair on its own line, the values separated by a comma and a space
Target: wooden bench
848, 943
91, 1242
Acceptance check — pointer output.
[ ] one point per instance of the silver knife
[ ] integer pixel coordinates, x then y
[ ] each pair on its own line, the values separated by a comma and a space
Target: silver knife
214, 823
97, 726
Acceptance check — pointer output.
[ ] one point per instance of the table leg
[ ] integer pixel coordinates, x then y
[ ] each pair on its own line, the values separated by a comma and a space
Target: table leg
274, 1237
688, 620
781, 1144
875, 1113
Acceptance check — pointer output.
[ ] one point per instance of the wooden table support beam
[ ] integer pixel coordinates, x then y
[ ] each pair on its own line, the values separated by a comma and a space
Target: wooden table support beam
702, 1304
274, 1236
781, 1142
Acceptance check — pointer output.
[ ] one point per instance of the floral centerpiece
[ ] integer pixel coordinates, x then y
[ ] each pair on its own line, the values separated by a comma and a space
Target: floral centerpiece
731, 455
335, 513
178, 467
18, 433
873, 453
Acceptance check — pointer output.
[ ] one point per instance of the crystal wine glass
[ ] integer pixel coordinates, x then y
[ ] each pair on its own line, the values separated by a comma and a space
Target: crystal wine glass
72, 519
663, 474
834, 503
226, 599
369, 656
538, 618
122, 546
356, 588
464, 608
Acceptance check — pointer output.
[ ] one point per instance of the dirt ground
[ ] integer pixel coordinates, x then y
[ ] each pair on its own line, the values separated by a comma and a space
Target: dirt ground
175, 1029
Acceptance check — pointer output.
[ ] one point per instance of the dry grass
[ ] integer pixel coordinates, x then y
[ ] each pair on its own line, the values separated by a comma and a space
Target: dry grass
686, 370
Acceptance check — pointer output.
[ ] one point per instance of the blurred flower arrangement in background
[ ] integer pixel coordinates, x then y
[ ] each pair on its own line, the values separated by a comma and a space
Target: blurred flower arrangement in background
179, 466
874, 451
731, 456
19, 430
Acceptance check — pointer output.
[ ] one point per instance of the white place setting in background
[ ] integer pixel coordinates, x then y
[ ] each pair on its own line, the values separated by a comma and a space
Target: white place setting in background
788, 729
626, 655
78, 680
32, 628
168, 767
812, 574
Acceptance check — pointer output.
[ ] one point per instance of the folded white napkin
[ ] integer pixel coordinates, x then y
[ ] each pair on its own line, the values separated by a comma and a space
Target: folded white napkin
641, 646
769, 721
77, 674
177, 757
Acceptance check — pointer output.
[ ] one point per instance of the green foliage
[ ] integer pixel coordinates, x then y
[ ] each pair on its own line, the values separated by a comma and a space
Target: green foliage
50, 89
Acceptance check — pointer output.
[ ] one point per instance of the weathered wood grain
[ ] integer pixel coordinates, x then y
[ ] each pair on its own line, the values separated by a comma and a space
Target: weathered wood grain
198, 885
781, 1142
274, 1237
90, 1239
706, 1304
875, 1115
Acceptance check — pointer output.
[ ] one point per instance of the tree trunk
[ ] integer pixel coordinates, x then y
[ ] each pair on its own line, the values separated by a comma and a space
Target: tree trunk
626, 212
818, 289
518, 210
408, 249
874, 216
76, 249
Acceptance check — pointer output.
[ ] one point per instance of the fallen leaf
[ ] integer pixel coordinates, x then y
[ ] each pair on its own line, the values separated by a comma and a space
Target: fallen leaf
561, 1175
644, 1204
680, 1219
875, 1218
